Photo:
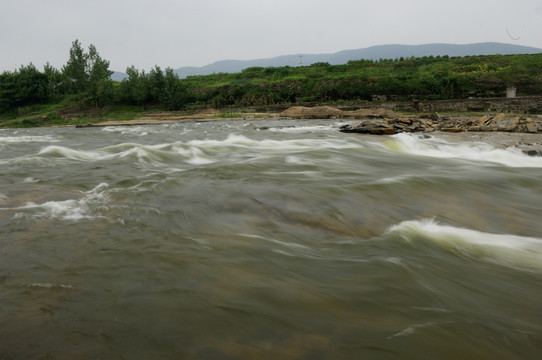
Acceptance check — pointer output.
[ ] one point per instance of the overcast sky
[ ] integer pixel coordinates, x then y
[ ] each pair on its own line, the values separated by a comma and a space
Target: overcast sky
179, 33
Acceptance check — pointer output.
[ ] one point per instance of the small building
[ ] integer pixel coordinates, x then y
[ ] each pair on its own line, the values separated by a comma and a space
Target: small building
511, 93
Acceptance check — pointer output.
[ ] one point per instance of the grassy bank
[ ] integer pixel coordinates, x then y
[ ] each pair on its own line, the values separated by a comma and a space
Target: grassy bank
67, 114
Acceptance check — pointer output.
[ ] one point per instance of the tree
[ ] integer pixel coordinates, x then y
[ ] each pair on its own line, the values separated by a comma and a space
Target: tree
54, 81
157, 83
173, 95
135, 88
75, 70
23, 87
100, 85
8, 83
88, 74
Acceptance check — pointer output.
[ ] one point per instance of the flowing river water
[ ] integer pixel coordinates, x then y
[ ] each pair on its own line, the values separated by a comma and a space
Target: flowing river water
266, 240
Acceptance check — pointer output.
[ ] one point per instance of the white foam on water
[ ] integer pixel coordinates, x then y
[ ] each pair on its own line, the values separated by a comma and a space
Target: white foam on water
27, 139
142, 130
413, 328
240, 141
394, 179
54, 151
9, 141
70, 210
50, 155
310, 174
296, 160
50, 286
127, 130
473, 151
194, 155
193, 152
510, 250
431, 309
302, 129
275, 241
30, 180
143, 154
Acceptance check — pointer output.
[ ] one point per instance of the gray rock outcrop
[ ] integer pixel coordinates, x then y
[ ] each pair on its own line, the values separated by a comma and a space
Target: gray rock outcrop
436, 122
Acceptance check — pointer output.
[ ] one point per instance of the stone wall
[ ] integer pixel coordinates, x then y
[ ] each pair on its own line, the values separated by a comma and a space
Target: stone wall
519, 105
522, 105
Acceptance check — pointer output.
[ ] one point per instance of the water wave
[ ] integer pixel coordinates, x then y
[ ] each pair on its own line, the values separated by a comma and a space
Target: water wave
130, 130
140, 130
50, 286
296, 160
54, 151
193, 152
415, 327
87, 207
30, 179
243, 142
472, 151
277, 242
27, 139
303, 129
511, 250
142, 154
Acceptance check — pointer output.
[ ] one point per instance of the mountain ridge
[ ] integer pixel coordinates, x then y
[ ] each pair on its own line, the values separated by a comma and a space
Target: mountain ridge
389, 51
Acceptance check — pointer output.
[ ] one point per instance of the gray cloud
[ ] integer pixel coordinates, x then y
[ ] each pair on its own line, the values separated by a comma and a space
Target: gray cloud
198, 32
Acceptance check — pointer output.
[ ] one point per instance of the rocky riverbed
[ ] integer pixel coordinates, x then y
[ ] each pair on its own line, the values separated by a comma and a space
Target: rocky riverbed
523, 130
388, 122
384, 125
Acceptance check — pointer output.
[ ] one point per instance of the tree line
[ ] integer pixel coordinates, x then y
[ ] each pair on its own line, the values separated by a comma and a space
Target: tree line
86, 78
85, 73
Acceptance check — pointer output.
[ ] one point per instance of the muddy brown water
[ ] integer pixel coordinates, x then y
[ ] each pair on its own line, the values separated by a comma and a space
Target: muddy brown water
221, 240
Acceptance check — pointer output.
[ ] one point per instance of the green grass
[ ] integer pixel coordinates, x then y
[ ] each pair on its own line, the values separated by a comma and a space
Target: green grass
228, 115
52, 115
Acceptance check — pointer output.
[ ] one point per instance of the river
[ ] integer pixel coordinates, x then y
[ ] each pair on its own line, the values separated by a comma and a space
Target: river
265, 240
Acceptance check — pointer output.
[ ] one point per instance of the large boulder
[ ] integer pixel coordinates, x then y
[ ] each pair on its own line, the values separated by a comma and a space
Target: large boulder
531, 149
317, 112
373, 127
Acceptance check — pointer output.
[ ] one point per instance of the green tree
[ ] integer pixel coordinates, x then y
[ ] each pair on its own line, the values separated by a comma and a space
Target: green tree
75, 71
23, 87
157, 84
100, 85
8, 83
54, 82
135, 89
174, 94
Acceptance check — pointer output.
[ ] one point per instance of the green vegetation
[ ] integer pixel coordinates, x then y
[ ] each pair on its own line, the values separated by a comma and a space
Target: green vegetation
29, 97
428, 78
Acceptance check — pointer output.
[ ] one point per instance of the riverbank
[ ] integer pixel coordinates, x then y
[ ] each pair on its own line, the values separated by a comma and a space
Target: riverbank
374, 121
499, 130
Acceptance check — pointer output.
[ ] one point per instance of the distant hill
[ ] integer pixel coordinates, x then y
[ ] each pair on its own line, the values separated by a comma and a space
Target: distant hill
370, 53
342, 57
118, 76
